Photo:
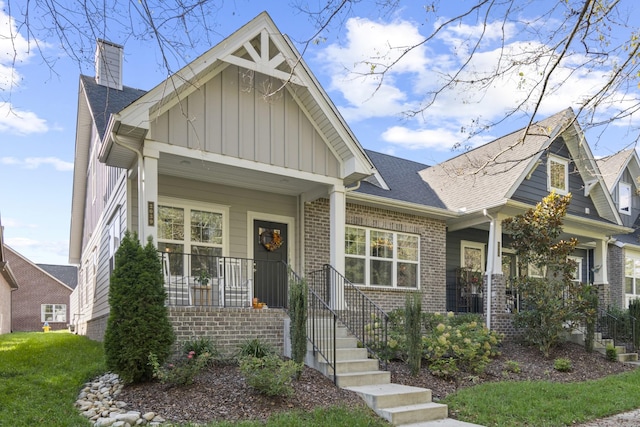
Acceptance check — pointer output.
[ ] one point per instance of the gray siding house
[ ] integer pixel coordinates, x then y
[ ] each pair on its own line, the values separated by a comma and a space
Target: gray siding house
240, 164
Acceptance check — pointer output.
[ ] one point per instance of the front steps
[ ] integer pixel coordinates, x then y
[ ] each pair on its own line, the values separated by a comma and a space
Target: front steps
600, 345
398, 404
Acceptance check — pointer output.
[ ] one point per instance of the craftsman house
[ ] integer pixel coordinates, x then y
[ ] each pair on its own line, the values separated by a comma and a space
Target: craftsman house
621, 172
244, 174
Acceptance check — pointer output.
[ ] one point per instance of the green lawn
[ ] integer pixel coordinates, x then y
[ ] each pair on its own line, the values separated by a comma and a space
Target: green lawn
545, 403
42, 373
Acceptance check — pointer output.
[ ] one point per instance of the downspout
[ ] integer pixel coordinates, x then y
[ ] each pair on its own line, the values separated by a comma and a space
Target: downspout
490, 263
140, 183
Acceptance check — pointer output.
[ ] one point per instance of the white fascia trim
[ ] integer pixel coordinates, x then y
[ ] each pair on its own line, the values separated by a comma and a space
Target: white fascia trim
239, 163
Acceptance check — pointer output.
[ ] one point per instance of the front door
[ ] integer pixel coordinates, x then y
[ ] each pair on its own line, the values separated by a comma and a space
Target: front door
270, 251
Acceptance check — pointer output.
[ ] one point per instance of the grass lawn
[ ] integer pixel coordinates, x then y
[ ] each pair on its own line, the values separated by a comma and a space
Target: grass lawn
41, 374
544, 403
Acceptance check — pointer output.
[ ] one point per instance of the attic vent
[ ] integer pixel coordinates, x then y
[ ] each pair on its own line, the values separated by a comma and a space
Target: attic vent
109, 64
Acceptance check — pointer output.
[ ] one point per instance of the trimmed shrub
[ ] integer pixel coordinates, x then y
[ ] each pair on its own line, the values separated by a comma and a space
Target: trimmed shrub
138, 323
612, 353
182, 371
562, 364
413, 330
270, 374
298, 291
200, 346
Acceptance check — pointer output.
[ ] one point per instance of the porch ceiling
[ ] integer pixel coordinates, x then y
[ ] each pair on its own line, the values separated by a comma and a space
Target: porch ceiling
219, 173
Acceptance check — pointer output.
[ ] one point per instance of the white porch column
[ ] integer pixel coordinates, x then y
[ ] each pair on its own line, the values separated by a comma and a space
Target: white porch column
600, 263
494, 292
337, 218
149, 197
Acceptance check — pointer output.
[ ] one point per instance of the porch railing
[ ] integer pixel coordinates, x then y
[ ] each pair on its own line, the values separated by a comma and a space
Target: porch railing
622, 328
361, 316
210, 281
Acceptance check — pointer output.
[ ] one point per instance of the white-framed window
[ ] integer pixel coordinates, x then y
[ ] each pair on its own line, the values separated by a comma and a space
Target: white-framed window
558, 175
195, 230
382, 258
472, 255
624, 198
632, 277
53, 313
534, 271
577, 273
115, 236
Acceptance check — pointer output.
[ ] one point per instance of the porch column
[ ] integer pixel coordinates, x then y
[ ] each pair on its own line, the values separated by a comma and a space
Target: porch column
495, 293
149, 196
600, 267
337, 218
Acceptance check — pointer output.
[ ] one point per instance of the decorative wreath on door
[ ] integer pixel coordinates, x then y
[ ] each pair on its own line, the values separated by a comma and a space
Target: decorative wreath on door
271, 239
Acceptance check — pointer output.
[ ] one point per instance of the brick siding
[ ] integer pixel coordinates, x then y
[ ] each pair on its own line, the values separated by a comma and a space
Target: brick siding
432, 249
35, 287
228, 328
615, 273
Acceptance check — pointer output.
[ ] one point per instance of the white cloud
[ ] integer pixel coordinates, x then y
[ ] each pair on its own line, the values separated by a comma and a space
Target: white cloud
41, 251
475, 100
15, 223
20, 122
36, 162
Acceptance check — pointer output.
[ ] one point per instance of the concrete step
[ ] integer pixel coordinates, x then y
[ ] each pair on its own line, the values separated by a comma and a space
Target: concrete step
350, 366
399, 415
321, 332
447, 422
627, 357
363, 378
327, 344
343, 354
390, 395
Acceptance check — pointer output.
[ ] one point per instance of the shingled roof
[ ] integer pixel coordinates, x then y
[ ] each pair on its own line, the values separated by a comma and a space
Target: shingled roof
487, 176
104, 101
612, 167
402, 179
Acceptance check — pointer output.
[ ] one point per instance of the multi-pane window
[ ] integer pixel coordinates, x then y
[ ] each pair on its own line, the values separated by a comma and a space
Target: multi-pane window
624, 198
190, 231
53, 312
381, 258
632, 276
558, 175
577, 273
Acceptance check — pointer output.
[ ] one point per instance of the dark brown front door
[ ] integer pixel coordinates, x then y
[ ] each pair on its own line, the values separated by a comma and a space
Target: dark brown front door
270, 250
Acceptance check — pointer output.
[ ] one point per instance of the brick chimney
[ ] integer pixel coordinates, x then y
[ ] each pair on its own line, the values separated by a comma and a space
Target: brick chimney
109, 64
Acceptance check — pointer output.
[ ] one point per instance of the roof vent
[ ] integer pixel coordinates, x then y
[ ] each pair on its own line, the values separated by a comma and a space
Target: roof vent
109, 64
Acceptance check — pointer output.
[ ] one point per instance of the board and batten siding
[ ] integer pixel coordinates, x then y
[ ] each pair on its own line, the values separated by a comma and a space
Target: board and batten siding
247, 115
534, 189
239, 200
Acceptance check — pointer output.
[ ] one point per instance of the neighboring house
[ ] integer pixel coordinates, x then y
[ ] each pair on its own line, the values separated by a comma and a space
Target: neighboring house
621, 172
41, 297
8, 285
232, 172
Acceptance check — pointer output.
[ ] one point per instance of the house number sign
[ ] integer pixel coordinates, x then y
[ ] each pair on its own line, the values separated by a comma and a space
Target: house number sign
150, 214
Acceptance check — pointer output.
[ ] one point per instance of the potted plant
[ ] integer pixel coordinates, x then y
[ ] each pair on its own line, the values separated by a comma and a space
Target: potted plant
204, 277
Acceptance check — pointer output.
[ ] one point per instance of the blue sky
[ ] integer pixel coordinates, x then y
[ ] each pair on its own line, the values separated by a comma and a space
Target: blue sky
38, 103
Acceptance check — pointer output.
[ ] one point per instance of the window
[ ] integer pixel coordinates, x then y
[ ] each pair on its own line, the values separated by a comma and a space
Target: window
190, 230
472, 256
632, 277
624, 198
381, 258
114, 239
53, 312
577, 274
558, 175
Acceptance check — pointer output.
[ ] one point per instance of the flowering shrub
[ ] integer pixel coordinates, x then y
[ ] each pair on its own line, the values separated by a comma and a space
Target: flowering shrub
182, 371
395, 346
451, 346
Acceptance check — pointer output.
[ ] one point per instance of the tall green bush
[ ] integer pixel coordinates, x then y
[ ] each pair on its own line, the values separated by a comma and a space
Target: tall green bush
413, 330
138, 323
298, 292
548, 301
634, 313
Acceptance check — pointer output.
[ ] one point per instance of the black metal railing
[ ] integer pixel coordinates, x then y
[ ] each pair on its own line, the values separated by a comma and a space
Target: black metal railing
361, 316
620, 327
211, 281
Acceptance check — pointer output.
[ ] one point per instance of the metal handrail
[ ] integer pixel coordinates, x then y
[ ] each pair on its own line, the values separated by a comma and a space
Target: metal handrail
359, 314
622, 330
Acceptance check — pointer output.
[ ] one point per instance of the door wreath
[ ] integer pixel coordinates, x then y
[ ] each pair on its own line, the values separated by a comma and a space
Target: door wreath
271, 239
